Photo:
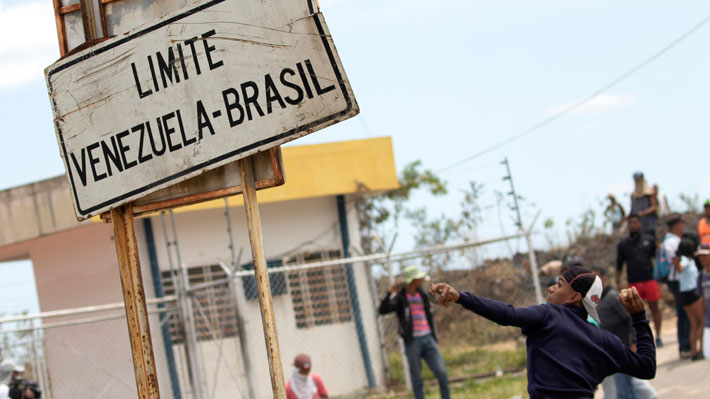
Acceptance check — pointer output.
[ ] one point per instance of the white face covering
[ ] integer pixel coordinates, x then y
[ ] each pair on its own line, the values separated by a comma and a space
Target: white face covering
302, 385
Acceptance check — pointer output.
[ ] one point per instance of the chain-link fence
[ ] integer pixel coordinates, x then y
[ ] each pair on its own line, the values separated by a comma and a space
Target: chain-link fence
81, 353
208, 338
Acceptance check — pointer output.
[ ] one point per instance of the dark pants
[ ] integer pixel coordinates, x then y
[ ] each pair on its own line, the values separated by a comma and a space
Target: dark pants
683, 321
425, 347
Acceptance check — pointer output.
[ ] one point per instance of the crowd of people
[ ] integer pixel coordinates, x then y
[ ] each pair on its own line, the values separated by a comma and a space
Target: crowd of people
680, 260
588, 333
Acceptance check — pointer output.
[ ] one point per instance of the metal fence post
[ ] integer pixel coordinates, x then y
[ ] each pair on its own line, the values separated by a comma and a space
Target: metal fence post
134, 301
241, 332
380, 327
533, 268
354, 301
185, 312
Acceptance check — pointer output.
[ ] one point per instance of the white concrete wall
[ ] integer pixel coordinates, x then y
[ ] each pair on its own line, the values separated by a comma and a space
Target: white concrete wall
289, 228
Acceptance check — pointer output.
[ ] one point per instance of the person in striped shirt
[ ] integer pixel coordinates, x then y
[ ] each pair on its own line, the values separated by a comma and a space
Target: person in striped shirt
411, 303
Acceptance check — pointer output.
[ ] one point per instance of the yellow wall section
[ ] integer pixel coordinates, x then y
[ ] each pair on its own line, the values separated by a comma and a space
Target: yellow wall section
326, 169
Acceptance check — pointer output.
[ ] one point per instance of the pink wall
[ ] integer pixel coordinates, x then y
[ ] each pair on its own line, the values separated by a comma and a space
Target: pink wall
65, 262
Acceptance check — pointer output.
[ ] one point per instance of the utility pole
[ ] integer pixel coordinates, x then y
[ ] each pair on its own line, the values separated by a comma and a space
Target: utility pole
519, 222
509, 177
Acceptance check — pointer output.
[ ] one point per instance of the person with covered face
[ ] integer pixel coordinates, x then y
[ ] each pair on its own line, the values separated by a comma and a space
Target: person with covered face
567, 357
303, 384
9, 371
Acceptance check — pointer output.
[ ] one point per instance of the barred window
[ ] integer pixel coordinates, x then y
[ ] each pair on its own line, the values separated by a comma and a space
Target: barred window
320, 295
277, 281
212, 307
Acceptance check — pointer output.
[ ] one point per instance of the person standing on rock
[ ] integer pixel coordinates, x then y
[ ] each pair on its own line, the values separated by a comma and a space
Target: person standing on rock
644, 203
567, 356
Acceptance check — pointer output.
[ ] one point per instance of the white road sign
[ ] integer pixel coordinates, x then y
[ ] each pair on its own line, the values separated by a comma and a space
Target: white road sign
215, 82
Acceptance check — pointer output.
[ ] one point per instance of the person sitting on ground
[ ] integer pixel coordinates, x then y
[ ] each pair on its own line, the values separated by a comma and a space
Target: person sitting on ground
304, 384
693, 303
568, 357
637, 251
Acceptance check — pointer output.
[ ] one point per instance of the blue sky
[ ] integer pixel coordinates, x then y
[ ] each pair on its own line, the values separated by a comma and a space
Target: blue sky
448, 79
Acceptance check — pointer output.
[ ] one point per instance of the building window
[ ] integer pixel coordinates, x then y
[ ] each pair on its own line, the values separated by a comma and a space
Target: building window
320, 296
212, 307
277, 281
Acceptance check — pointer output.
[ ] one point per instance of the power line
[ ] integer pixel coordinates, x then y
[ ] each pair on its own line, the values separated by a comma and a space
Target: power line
586, 99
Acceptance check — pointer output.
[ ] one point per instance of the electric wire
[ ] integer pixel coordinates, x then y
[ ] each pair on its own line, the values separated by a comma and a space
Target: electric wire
584, 100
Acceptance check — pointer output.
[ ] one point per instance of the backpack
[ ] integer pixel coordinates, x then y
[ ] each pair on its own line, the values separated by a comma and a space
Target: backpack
662, 265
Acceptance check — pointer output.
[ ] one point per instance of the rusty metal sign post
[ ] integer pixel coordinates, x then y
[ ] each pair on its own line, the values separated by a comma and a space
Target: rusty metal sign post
263, 287
134, 301
156, 111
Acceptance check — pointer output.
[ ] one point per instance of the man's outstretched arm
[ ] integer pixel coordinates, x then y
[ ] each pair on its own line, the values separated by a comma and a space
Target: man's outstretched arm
499, 312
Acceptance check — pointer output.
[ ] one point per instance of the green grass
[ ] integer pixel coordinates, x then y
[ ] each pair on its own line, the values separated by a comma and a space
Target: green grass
495, 388
462, 363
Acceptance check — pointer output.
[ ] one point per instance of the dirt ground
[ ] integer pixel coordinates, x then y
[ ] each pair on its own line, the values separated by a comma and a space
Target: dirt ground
676, 378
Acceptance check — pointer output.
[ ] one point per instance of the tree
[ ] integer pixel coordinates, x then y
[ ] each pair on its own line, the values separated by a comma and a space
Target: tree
443, 230
380, 213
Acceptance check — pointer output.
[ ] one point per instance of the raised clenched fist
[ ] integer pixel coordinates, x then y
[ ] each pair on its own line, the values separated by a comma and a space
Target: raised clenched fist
445, 293
631, 300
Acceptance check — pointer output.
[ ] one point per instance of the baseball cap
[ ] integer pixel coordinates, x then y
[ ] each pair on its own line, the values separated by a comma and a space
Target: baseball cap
412, 272
302, 361
638, 175
8, 365
587, 284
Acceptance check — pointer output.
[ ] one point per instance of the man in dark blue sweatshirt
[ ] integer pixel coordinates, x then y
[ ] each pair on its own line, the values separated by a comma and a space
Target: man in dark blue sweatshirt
567, 357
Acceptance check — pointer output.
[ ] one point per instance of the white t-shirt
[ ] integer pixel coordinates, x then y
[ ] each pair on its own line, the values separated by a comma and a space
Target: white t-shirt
670, 247
4, 391
689, 276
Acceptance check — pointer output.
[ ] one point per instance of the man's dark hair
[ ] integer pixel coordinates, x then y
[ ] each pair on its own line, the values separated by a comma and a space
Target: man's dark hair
17, 389
598, 269
572, 261
693, 236
673, 220
634, 216
687, 248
